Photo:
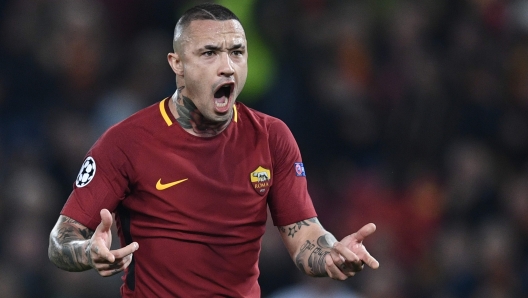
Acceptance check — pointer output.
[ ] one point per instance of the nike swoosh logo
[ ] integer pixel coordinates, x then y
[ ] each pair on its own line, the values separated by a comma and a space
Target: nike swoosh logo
161, 186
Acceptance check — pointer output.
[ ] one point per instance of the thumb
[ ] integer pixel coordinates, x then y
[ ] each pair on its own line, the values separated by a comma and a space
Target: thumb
365, 231
106, 221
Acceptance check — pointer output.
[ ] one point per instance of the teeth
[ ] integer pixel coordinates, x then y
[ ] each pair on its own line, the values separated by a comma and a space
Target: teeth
221, 104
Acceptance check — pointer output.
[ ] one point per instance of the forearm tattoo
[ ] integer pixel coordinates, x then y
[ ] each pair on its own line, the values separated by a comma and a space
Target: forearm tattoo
311, 256
191, 118
68, 248
296, 227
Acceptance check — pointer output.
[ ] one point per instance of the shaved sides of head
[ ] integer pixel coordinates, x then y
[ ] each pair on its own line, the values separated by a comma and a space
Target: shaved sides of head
206, 11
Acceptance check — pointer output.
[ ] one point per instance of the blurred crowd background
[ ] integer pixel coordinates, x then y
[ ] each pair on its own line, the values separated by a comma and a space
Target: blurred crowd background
409, 114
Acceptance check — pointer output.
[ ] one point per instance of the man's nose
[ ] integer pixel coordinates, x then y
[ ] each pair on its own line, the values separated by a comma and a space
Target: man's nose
226, 65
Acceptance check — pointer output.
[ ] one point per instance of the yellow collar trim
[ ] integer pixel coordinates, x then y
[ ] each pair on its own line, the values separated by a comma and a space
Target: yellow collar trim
164, 112
235, 114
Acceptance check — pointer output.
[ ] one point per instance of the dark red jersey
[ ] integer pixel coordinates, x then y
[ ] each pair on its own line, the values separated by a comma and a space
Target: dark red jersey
196, 206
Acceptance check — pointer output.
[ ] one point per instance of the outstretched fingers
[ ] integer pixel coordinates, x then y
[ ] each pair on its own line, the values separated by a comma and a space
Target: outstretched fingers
364, 255
105, 261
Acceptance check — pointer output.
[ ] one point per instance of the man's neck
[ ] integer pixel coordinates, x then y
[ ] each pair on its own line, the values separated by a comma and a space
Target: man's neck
190, 118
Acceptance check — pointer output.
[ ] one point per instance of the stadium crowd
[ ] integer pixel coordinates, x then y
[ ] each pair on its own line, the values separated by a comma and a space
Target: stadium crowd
409, 114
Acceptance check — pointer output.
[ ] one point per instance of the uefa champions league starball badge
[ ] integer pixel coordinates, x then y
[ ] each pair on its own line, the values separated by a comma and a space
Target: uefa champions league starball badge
86, 173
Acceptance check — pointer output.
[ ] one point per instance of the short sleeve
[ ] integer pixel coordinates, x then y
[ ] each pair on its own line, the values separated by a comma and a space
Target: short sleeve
288, 200
102, 182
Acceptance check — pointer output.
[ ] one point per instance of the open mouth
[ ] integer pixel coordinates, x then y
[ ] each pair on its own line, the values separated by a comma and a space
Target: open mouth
222, 96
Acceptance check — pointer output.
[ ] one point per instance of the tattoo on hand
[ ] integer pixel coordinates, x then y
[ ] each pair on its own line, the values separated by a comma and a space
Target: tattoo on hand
326, 241
316, 254
316, 261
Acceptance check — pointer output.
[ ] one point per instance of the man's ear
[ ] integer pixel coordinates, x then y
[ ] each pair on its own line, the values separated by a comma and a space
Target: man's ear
175, 63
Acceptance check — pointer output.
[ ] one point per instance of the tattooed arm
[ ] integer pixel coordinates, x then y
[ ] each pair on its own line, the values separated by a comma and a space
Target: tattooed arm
68, 245
316, 252
308, 244
74, 247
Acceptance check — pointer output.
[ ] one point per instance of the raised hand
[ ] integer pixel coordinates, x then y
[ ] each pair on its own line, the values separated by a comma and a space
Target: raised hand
105, 261
348, 256
317, 252
354, 242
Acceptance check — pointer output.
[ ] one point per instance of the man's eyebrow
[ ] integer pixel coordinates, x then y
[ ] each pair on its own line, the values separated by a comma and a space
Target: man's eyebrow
237, 46
212, 47
218, 48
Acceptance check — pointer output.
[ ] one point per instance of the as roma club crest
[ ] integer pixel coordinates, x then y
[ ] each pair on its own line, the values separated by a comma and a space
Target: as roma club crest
260, 179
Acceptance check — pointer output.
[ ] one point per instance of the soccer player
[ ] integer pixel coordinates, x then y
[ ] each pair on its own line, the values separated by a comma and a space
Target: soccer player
189, 180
